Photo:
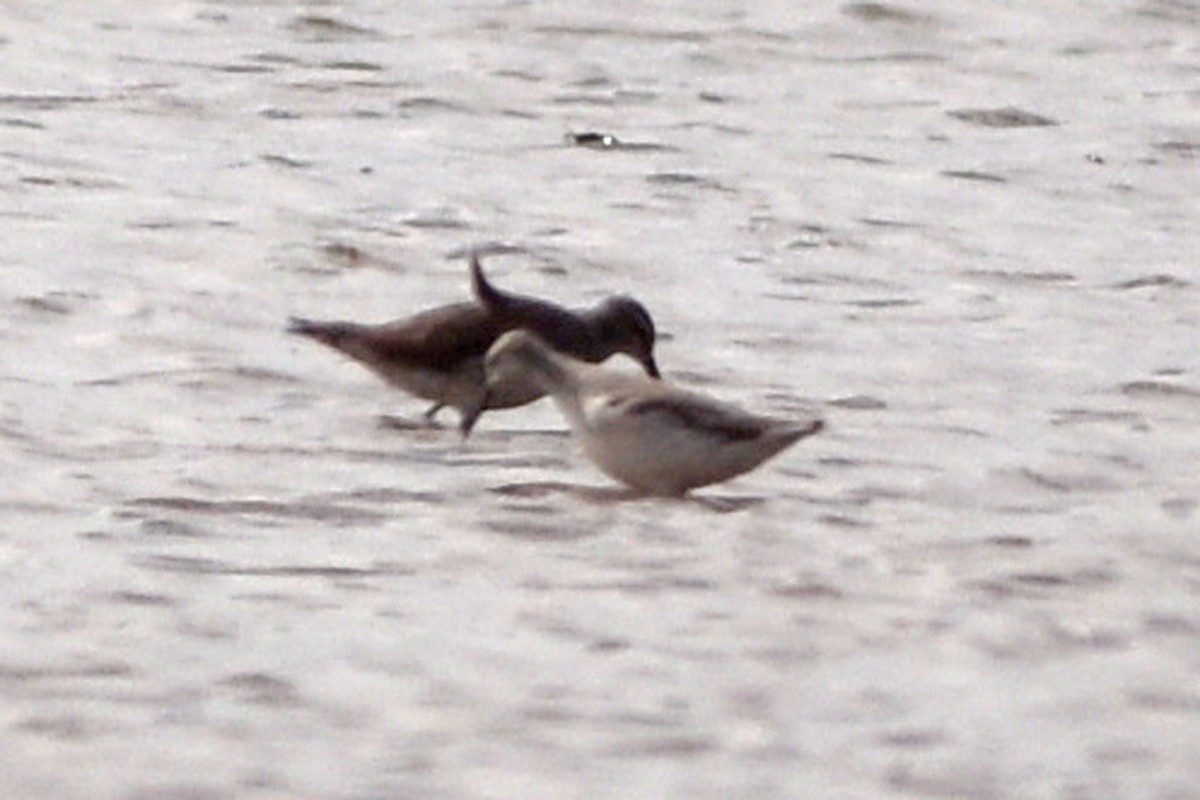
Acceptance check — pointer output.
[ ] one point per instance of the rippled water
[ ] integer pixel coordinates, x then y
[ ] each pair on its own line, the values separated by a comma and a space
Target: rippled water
966, 235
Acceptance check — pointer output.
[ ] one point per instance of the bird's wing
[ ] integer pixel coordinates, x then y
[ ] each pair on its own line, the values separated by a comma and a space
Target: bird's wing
701, 414
439, 338
566, 331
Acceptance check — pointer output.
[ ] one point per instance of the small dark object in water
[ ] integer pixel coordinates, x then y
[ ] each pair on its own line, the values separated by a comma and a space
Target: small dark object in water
1007, 117
594, 140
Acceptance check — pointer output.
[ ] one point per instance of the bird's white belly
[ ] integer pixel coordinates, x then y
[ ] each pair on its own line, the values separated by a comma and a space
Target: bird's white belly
649, 453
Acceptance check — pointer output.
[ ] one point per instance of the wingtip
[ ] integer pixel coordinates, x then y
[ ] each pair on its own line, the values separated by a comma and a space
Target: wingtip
325, 332
802, 430
812, 428
299, 325
484, 291
476, 268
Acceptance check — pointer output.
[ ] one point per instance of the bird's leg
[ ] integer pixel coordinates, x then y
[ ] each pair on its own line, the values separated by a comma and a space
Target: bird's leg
471, 413
430, 422
469, 417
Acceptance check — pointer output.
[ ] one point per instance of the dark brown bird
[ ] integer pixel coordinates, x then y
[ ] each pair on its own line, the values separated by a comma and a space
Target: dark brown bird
619, 324
438, 354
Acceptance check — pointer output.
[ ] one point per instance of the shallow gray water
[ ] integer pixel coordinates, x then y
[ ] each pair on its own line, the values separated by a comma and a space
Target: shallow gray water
967, 236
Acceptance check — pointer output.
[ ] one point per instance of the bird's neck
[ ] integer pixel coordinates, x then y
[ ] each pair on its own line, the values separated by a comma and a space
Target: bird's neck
549, 371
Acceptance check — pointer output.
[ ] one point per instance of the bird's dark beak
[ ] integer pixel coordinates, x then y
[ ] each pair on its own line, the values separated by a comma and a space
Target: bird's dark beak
649, 365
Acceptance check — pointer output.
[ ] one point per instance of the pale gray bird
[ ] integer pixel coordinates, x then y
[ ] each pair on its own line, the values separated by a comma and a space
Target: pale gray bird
648, 434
